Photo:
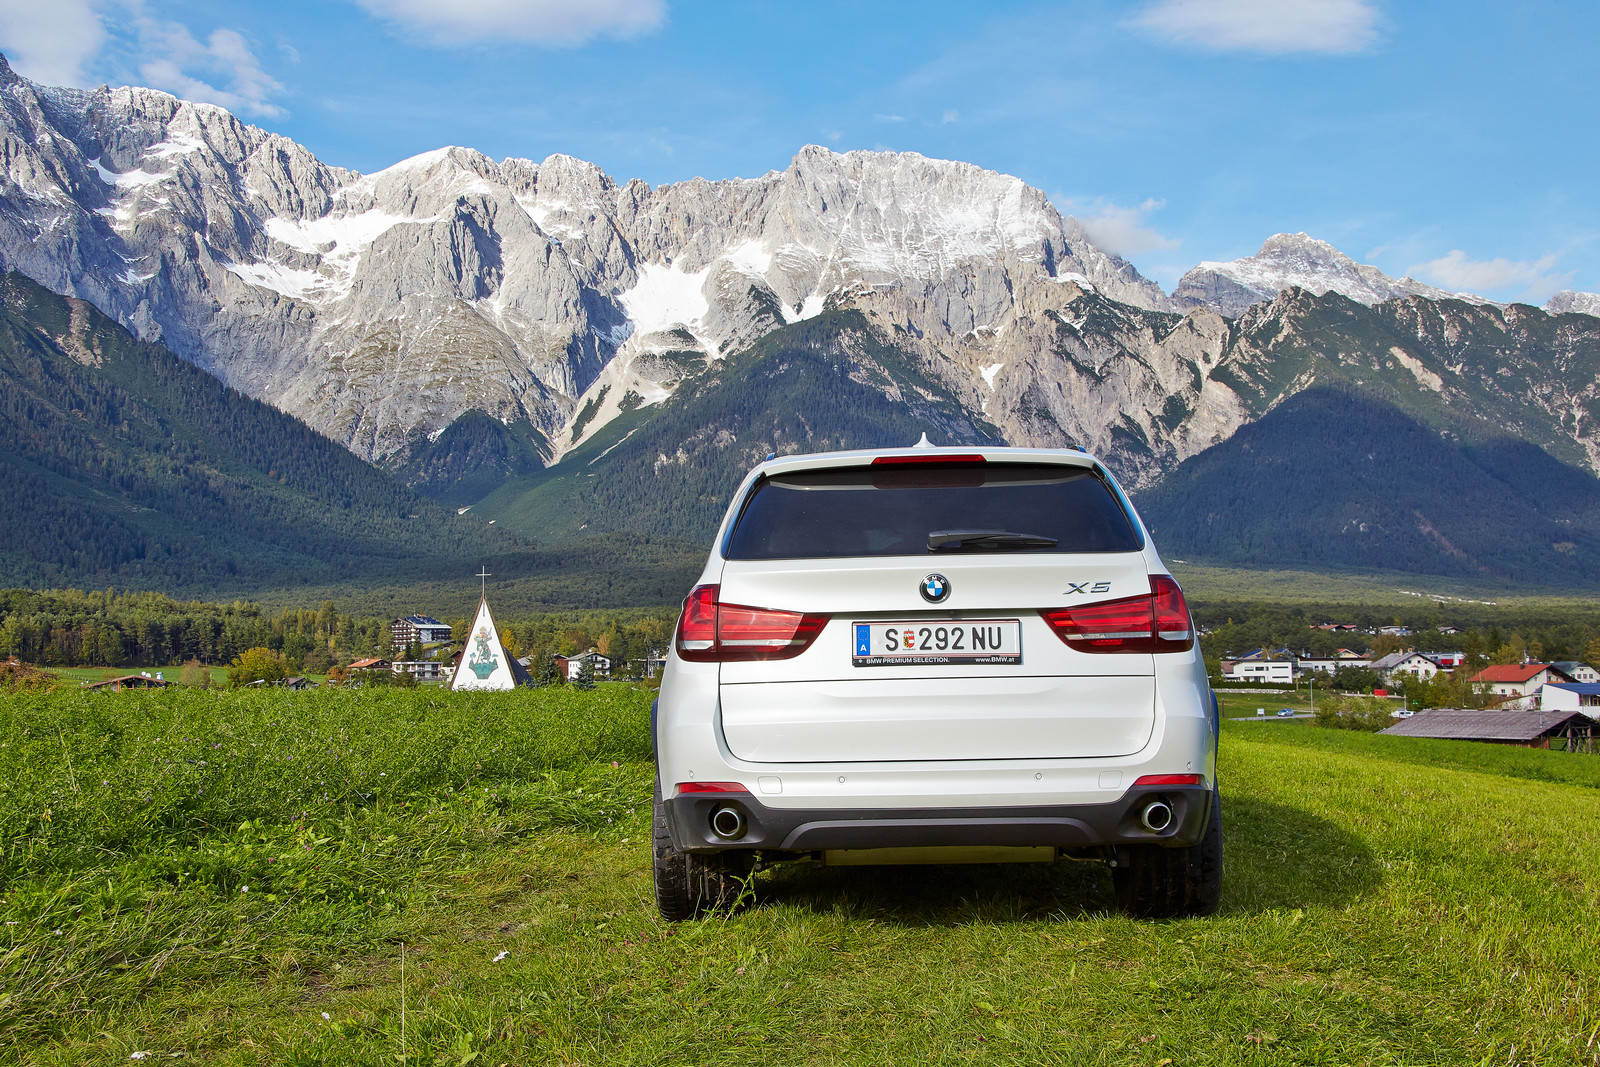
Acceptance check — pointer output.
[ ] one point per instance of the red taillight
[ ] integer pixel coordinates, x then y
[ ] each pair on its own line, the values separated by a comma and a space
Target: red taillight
710, 787
1171, 611
711, 631
1163, 779
1157, 621
697, 626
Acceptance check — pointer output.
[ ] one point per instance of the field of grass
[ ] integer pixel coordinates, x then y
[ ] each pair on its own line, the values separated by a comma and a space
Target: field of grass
356, 877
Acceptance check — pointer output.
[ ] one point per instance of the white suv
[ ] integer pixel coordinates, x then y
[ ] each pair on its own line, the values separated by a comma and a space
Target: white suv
936, 655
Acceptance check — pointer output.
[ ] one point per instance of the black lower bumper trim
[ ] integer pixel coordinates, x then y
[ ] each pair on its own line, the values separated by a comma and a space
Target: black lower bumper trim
1069, 827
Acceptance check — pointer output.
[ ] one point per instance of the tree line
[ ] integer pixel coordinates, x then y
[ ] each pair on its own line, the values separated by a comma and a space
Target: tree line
107, 628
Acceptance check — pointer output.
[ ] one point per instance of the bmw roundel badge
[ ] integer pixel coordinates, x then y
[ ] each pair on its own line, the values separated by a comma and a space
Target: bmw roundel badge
935, 589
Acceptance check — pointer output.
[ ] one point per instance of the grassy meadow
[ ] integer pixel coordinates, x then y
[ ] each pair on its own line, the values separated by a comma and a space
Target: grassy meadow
413, 876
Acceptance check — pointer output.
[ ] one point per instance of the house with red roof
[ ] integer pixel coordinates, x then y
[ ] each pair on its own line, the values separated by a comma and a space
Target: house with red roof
1515, 682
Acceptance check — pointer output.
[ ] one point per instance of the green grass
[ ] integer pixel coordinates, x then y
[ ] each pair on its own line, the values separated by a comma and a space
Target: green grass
1383, 904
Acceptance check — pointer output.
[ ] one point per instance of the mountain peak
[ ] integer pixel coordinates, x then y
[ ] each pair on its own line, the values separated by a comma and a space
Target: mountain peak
1301, 246
1568, 302
1294, 259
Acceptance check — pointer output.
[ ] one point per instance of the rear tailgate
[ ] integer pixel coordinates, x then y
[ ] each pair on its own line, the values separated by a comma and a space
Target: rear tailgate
832, 704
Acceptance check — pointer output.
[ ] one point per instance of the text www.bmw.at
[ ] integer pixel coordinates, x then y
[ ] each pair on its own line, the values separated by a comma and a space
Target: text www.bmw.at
936, 655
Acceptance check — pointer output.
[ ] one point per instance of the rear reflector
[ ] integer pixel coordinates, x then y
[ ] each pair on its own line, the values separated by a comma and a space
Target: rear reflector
1154, 622
1163, 779
710, 787
710, 631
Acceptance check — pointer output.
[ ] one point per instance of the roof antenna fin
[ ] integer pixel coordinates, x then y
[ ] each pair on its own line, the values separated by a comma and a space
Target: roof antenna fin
924, 443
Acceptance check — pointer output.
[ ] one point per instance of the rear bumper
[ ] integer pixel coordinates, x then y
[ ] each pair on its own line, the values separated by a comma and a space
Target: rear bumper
1070, 827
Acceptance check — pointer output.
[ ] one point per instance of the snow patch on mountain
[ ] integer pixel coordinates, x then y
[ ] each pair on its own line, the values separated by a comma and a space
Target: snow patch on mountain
177, 144
665, 296
274, 276
132, 179
750, 258
337, 236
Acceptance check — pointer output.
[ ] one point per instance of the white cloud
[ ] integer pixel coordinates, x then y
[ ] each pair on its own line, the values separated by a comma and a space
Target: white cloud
1271, 26
951, 116
1460, 273
1122, 230
561, 22
888, 118
178, 63
50, 41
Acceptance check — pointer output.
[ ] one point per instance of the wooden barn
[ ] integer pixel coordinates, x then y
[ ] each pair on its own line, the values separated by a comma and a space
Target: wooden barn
129, 681
1569, 730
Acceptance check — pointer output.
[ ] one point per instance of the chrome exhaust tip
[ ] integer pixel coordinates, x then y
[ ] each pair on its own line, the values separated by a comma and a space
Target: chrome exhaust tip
1156, 816
728, 823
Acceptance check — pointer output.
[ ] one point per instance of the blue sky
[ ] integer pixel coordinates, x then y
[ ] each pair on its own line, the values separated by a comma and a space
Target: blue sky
1453, 141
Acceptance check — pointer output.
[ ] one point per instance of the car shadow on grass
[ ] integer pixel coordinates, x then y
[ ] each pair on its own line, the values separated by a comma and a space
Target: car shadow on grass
1274, 857
1278, 856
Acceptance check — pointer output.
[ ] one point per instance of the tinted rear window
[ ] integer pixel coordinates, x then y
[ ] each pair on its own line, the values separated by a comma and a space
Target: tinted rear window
892, 511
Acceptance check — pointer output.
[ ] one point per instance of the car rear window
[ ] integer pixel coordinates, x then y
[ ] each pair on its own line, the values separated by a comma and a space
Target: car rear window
904, 511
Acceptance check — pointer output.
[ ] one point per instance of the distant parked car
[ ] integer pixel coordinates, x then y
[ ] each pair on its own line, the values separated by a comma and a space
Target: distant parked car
1285, 711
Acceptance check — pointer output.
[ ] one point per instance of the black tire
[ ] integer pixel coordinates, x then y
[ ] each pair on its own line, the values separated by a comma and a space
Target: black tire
690, 885
1169, 883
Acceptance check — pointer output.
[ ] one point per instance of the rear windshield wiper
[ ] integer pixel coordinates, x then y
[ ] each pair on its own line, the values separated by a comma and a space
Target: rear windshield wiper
961, 540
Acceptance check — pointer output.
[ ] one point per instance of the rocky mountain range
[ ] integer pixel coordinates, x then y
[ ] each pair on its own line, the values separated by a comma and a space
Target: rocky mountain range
550, 300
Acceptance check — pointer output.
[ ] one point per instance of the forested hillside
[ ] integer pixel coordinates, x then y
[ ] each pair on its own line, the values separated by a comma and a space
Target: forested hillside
124, 464
65, 627
1335, 478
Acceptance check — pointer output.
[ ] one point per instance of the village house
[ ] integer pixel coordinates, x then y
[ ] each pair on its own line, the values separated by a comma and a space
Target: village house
1338, 661
426, 670
1517, 683
1271, 670
1261, 666
572, 665
1410, 663
1571, 696
1578, 672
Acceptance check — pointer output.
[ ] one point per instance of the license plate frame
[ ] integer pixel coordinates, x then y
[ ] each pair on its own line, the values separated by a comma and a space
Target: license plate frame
999, 641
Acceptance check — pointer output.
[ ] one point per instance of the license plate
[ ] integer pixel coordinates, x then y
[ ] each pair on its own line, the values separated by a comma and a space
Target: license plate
900, 644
